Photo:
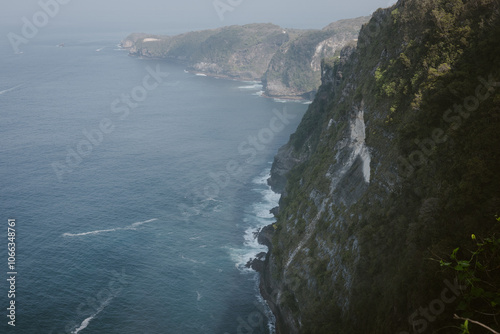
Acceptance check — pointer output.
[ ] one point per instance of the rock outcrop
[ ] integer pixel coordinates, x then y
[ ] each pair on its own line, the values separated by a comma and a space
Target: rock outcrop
295, 69
287, 61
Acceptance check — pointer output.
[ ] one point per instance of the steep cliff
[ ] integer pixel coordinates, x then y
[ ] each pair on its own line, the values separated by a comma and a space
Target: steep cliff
394, 165
286, 60
295, 68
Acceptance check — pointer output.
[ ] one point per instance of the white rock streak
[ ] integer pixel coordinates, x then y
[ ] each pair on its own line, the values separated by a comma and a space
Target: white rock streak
310, 230
358, 143
349, 149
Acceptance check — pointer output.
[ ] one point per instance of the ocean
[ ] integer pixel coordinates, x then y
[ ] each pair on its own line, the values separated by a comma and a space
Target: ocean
135, 187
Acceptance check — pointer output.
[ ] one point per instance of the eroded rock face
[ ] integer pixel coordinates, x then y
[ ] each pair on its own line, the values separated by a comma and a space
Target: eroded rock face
364, 202
284, 161
345, 181
295, 69
291, 155
286, 61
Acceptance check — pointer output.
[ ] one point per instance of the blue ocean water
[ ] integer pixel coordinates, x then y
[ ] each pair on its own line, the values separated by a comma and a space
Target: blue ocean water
136, 188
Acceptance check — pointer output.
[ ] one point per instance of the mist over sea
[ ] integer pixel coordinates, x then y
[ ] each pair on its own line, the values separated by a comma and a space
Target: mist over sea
136, 188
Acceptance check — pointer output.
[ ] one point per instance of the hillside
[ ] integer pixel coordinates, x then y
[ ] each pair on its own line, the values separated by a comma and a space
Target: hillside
286, 60
393, 167
295, 69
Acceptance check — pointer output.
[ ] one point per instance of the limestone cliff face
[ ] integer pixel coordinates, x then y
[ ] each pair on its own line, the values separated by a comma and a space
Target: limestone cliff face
340, 184
303, 144
379, 178
295, 68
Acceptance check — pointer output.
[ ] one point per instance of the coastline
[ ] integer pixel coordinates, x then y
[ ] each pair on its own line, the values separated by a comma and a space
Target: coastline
263, 268
256, 256
286, 98
305, 98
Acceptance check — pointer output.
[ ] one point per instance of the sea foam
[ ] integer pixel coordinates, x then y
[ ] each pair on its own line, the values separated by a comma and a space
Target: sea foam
130, 227
257, 217
87, 321
10, 89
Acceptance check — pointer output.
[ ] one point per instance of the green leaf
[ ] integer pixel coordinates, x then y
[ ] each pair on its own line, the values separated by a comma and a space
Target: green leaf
445, 264
464, 264
465, 327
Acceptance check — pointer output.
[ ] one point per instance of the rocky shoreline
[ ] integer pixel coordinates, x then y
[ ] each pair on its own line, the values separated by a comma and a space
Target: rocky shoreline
261, 265
309, 96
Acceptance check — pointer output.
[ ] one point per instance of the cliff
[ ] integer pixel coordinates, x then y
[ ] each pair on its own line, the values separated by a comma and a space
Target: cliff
295, 69
393, 167
286, 60
241, 52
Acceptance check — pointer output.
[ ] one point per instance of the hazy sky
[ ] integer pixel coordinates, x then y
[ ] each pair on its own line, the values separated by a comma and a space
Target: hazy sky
158, 16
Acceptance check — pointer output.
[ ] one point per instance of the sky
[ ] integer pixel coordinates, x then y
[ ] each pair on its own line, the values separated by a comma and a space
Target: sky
164, 16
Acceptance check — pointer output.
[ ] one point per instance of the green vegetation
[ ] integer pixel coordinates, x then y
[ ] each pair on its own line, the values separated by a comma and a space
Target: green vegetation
235, 51
286, 60
421, 74
296, 65
480, 302
293, 62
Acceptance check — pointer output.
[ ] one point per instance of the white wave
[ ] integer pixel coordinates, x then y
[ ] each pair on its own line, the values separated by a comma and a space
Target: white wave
251, 247
259, 93
262, 210
134, 225
261, 179
271, 325
10, 89
201, 75
254, 86
258, 217
192, 260
271, 197
308, 102
199, 295
240, 257
90, 233
87, 321
290, 101
252, 242
130, 227
83, 325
